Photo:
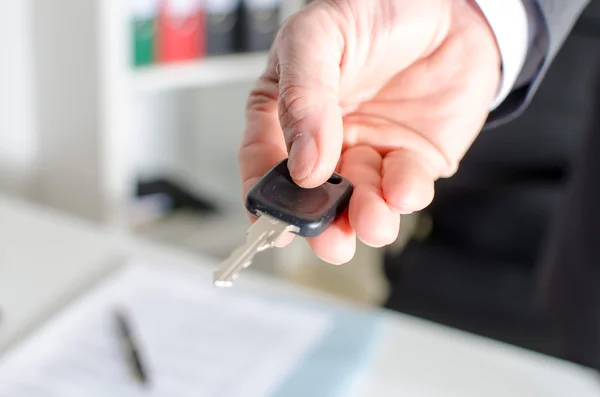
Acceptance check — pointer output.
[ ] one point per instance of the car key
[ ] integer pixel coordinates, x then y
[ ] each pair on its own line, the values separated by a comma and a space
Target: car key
282, 206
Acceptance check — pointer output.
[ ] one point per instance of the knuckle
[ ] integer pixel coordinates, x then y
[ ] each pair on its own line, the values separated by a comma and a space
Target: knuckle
263, 96
258, 101
293, 107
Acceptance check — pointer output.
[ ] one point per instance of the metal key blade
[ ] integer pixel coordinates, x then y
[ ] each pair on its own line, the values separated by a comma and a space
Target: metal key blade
263, 234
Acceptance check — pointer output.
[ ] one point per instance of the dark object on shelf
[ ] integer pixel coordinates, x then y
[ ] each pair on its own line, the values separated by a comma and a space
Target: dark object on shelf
258, 25
179, 196
222, 20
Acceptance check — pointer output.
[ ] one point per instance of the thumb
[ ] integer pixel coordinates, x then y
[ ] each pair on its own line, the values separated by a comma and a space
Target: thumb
308, 51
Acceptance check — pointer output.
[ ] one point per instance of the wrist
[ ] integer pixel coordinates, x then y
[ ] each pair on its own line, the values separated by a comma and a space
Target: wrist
508, 22
488, 35
474, 29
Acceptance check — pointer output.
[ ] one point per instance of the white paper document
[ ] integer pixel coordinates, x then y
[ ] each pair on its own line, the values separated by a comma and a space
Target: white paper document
195, 340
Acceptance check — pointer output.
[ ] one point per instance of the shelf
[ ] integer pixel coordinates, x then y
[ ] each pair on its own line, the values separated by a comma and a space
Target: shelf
210, 71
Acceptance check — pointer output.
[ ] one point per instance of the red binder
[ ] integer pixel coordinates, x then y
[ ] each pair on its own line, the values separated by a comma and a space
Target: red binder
180, 31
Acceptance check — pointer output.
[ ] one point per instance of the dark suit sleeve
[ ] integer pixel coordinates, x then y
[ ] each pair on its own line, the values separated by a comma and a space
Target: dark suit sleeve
555, 21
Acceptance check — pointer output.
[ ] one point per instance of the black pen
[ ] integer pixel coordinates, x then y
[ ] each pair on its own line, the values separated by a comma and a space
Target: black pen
132, 347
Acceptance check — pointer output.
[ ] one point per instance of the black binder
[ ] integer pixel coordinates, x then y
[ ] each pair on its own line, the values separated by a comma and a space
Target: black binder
258, 24
221, 26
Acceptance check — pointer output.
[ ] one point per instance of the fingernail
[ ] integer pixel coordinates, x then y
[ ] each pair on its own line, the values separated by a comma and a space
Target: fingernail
303, 156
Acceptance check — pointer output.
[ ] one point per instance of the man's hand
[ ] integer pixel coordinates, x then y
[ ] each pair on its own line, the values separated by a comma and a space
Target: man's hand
390, 93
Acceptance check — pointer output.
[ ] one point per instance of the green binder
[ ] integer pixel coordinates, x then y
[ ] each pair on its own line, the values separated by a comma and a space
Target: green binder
144, 36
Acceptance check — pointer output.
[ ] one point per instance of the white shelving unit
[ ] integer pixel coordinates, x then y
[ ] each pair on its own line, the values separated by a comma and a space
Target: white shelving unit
101, 118
125, 87
225, 69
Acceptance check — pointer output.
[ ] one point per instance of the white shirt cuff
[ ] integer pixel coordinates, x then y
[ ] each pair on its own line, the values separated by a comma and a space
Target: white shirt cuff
509, 22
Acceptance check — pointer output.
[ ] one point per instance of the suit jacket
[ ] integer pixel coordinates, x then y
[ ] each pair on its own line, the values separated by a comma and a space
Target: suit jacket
570, 266
569, 269
558, 18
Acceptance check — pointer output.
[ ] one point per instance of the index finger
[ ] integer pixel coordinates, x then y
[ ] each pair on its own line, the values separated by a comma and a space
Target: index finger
263, 144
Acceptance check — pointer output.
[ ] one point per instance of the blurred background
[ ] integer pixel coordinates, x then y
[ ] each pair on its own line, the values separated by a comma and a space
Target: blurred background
129, 114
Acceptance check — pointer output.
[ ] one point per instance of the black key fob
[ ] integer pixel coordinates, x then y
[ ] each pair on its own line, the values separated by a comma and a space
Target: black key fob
310, 210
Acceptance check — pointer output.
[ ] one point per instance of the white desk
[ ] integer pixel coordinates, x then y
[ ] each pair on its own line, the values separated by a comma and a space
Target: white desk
46, 259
